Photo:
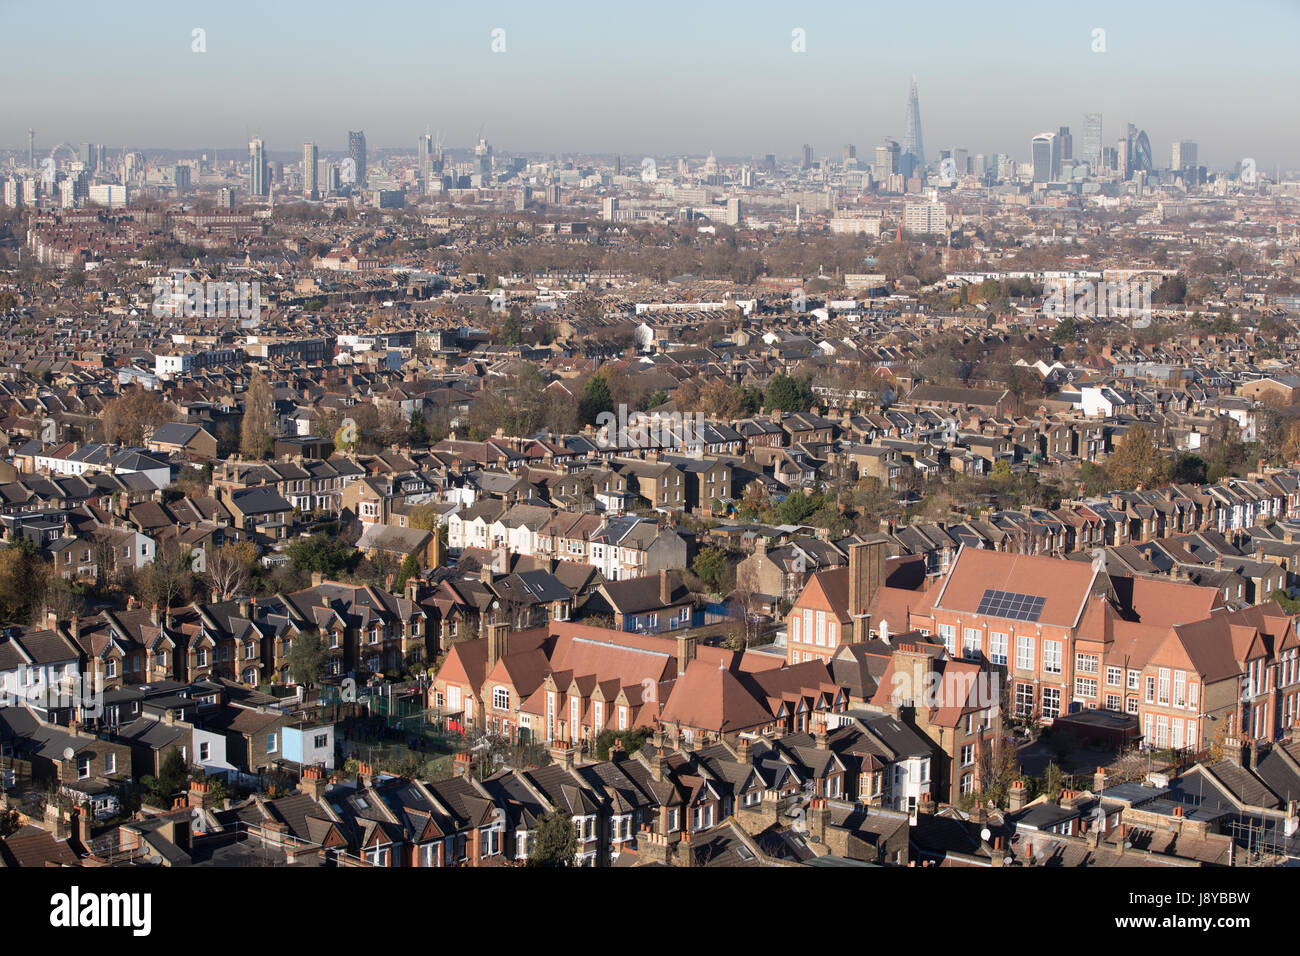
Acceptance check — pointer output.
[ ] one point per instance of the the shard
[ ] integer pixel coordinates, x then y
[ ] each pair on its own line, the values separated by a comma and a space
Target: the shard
913, 159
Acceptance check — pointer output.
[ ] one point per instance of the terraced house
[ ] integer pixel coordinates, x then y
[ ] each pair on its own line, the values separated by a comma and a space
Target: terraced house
571, 682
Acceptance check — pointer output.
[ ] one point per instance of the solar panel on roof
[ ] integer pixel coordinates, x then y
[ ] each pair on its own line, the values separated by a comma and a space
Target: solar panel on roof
1010, 605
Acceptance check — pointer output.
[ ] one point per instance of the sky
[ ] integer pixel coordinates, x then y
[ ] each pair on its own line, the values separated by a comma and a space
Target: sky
655, 78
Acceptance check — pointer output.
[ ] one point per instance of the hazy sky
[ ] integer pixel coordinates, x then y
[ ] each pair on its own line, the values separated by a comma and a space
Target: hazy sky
662, 77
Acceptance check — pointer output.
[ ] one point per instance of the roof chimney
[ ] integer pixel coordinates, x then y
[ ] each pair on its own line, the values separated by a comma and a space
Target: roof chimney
562, 752
659, 765
665, 588
819, 732
685, 652
313, 782
498, 643
866, 574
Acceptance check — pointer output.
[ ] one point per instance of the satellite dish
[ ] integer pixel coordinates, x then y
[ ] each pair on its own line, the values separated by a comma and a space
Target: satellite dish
985, 834
68, 753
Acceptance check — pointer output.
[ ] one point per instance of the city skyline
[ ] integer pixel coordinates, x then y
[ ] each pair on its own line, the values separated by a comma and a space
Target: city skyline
660, 89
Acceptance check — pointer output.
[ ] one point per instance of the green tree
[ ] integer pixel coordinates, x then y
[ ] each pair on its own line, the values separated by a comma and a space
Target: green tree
632, 741
257, 430
788, 394
596, 398
711, 566
410, 568
1093, 478
797, 507
322, 553
1187, 468
555, 842
419, 431
1065, 332
307, 659
512, 331
1171, 292
172, 775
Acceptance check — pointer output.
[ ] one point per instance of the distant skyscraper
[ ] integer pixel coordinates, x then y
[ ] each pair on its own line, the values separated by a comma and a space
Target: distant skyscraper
913, 148
424, 149
1042, 149
31, 149
735, 212
357, 150
1092, 141
310, 179
257, 168
1182, 158
1141, 152
1064, 150
482, 157
961, 160
807, 156
850, 152
1134, 153
886, 164
769, 162
88, 155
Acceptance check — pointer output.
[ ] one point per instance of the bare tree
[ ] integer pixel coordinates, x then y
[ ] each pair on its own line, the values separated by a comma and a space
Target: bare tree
746, 599
61, 599
227, 572
103, 549
170, 577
